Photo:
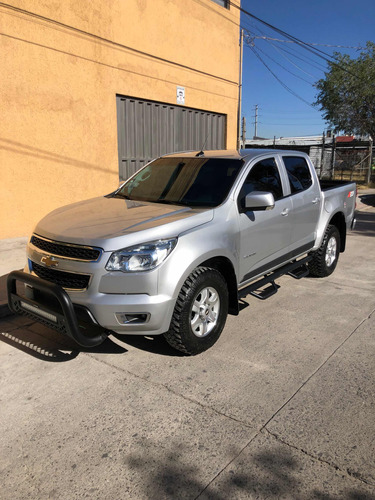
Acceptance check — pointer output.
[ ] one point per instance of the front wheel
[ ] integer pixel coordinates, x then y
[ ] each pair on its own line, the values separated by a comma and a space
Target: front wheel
325, 258
200, 312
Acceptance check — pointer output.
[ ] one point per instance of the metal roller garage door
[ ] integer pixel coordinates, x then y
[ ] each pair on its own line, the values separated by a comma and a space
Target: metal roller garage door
148, 129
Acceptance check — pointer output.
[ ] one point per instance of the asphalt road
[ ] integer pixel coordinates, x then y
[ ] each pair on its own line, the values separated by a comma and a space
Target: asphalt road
283, 406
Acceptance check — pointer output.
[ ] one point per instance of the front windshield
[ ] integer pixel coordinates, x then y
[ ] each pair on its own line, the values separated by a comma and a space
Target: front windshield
201, 182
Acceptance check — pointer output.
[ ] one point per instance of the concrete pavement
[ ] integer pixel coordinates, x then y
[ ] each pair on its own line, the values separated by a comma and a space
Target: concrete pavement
281, 407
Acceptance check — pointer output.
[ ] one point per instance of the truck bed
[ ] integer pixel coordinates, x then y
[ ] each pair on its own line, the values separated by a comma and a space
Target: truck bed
325, 185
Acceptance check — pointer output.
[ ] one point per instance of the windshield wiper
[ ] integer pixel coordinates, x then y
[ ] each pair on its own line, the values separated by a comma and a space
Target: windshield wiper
120, 195
169, 202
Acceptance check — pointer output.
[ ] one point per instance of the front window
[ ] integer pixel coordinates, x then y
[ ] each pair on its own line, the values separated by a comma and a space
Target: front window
200, 182
263, 176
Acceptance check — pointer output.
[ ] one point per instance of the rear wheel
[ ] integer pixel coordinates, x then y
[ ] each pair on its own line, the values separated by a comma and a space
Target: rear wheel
200, 312
325, 258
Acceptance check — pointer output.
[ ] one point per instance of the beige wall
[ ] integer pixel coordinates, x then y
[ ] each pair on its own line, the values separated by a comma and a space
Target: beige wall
58, 86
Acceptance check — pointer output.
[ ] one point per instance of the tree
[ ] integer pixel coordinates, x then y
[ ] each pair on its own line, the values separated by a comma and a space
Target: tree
347, 93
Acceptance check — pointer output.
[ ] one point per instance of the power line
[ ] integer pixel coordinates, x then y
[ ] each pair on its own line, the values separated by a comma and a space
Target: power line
292, 52
249, 27
288, 112
290, 61
283, 67
307, 46
311, 43
278, 79
317, 52
291, 124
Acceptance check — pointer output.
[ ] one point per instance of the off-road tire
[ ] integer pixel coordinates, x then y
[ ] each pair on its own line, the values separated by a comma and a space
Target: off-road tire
318, 266
180, 334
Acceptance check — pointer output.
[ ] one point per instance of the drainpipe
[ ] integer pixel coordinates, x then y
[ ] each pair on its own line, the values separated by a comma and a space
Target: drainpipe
240, 95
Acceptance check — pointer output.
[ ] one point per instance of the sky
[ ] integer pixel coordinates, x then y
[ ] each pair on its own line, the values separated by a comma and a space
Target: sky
281, 113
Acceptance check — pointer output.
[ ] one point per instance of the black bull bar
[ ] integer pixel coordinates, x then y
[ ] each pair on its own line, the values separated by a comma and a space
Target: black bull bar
53, 308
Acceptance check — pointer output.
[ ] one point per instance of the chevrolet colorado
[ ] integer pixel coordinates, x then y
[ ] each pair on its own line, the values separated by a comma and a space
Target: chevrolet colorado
174, 248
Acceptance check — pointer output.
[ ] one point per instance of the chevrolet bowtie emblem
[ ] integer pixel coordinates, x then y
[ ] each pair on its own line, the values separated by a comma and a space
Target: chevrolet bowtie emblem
49, 261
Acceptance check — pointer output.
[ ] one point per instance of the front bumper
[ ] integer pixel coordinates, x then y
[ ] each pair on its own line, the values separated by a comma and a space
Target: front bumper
52, 306
107, 308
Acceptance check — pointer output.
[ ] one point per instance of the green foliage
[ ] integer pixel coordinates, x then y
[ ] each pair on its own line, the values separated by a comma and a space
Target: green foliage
347, 93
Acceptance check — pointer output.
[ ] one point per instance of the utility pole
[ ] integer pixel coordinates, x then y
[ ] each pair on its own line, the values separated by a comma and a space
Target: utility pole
243, 132
256, 122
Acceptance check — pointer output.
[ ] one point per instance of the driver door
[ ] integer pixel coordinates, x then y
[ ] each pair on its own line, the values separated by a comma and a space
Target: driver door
265, 235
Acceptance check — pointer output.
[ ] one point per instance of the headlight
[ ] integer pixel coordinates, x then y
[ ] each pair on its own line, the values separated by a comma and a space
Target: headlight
141, 257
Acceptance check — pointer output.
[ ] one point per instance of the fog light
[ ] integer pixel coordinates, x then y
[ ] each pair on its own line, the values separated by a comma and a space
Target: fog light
132, 318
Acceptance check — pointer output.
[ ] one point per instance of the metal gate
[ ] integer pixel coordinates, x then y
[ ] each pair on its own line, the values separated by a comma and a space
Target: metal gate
351, 164
346, 163
148, 129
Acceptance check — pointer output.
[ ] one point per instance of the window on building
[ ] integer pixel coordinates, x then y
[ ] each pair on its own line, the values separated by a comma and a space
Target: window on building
298, 173
223, 3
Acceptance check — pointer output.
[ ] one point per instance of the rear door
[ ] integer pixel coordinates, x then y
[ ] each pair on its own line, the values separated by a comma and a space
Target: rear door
305, 195
264, 235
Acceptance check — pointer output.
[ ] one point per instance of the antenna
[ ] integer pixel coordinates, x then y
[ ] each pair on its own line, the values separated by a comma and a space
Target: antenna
201, 152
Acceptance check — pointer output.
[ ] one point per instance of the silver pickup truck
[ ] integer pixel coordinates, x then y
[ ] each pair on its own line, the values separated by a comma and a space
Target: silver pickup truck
175, 247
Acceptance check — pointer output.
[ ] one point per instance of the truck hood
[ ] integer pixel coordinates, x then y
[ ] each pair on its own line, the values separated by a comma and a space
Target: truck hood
113, 223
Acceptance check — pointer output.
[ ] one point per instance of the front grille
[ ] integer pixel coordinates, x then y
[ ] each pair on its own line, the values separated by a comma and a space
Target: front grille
77, 252
66, 280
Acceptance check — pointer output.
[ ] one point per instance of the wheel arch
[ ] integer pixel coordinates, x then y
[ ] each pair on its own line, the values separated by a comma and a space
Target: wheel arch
338, 220
225, 268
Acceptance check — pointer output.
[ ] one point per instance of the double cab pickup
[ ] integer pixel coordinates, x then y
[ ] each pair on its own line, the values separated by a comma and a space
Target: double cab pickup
174, 248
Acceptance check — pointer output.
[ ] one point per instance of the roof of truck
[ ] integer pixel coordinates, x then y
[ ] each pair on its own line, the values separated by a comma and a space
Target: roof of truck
230, 153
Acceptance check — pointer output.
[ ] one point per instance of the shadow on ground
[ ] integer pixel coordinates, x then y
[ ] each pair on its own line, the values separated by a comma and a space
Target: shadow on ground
365, 223
46, 344
273, 473
153, 344
368, 199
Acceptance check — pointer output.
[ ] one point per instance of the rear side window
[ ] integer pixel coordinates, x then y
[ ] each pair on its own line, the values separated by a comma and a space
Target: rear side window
298, 173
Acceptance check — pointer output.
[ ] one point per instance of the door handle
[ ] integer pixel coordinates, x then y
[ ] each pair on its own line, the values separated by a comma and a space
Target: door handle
315, 200
285, 212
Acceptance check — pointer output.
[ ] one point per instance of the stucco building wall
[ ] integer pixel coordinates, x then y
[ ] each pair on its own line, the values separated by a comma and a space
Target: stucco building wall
62, 64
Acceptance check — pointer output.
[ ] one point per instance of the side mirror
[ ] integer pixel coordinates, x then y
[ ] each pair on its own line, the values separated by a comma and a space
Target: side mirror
259, 200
